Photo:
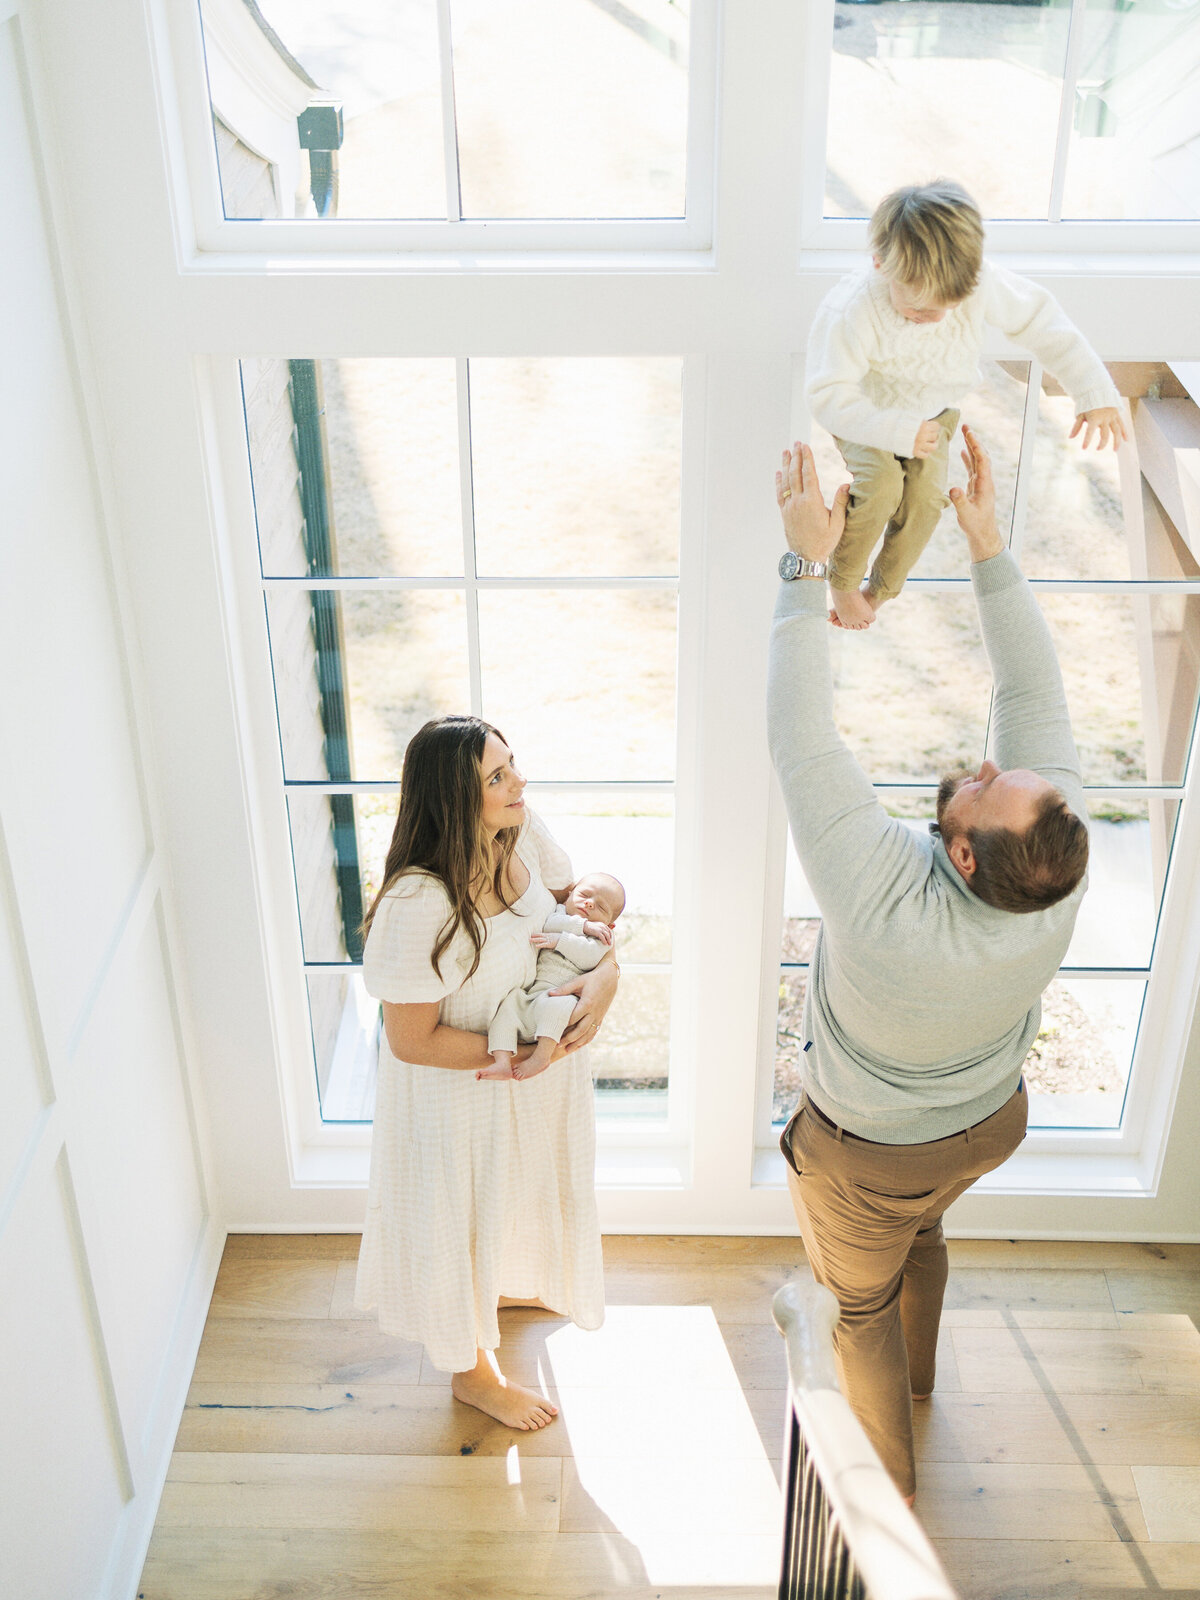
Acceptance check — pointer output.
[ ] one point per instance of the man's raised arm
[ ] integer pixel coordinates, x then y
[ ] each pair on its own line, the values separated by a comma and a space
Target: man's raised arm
1030, 723
850, 849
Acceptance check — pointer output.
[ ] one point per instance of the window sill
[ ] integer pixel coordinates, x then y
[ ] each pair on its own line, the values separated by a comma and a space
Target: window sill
1096, 1174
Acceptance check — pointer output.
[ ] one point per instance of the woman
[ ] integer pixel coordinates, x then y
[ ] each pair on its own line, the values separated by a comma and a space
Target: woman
482, 1193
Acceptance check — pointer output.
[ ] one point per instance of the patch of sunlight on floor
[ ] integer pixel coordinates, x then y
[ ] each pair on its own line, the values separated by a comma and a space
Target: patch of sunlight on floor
666, 1453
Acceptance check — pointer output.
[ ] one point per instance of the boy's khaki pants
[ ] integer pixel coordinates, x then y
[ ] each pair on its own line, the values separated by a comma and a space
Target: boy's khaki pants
871, 1219
901, 497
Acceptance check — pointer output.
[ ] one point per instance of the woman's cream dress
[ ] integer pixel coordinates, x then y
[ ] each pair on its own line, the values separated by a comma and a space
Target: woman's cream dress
478, 1189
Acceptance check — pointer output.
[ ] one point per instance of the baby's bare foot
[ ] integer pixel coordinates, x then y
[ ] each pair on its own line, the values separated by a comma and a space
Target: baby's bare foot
851, 609
540, 1059
489, 1391
501, 1068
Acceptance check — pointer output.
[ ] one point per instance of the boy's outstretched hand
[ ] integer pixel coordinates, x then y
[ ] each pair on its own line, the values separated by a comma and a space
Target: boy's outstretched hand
975, 506
1105, 422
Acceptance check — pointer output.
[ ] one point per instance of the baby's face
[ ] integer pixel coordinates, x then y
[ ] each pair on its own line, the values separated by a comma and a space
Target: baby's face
593, 899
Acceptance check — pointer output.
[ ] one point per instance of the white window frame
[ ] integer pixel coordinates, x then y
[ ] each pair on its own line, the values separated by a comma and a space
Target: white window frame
210, 241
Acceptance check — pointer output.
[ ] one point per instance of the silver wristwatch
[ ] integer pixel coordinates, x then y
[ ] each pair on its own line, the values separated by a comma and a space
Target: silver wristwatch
793, 566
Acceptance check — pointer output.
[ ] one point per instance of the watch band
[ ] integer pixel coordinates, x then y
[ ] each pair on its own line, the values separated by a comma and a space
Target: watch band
793, 566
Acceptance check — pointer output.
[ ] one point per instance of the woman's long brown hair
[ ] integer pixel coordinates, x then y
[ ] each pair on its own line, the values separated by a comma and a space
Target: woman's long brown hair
439, 828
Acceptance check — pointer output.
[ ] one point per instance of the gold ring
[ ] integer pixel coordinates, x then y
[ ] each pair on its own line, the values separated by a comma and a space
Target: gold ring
787, 494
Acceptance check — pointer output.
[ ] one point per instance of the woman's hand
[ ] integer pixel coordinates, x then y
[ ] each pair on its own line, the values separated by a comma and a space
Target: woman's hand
596, 990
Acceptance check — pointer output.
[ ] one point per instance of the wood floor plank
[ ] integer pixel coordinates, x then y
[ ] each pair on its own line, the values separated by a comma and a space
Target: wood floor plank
292, 1246
702, 1250
1034, 1288
1137, 1427
303, 1350
1156, 1291
1159, 1361
1027, 1569
1028, 1501
342, 1302
1065, 1255
733, 1293
305, 1564
1170, 1498
288, 1288
1108, 1429
478, 1494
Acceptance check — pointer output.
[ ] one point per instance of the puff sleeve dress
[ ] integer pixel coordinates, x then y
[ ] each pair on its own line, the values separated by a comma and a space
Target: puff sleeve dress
478, 1189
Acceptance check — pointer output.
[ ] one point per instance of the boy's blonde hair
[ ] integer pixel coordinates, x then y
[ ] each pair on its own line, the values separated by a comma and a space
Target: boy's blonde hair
929, 239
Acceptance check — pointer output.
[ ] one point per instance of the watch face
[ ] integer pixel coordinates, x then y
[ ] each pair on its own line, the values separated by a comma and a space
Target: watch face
789, 564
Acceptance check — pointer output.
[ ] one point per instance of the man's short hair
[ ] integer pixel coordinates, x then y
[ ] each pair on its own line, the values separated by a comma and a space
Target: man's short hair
1035, 869
929, 239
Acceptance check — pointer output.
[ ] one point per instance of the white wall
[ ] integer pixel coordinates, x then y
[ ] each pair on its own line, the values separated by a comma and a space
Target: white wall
106, 1248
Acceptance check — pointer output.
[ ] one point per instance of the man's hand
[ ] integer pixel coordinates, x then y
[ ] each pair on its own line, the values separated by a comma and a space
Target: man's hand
1107, 424
928, 437
813, 529
598, 930
975, 506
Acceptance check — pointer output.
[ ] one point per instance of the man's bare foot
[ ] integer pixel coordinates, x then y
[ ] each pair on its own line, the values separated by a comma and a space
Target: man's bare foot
909, 1499
922, 1397
852, 608
490, 1391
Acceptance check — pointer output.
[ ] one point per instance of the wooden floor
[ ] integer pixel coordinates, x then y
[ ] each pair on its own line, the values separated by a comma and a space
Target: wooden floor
1058, 1460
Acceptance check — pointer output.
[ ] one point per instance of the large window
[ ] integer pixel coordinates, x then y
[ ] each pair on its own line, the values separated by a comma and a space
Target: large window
1117, 581
498, 536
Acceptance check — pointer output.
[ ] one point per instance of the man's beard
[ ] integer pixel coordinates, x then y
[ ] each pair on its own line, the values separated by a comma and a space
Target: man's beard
947, 789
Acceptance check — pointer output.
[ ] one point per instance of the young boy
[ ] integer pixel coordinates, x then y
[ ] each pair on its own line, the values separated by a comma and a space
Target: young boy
573, 939
892, 351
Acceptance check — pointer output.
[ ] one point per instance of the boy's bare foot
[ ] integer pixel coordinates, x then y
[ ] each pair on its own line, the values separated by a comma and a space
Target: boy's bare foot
852, 608
490, 1391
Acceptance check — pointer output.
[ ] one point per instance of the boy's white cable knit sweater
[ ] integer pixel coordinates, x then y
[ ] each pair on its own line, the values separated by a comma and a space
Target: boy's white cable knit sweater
874, 377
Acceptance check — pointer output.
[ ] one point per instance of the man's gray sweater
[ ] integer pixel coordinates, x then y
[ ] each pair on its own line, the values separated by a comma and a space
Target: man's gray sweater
922, 999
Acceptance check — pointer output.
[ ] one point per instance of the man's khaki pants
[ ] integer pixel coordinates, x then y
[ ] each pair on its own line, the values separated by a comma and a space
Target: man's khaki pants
901, 497
871, 1219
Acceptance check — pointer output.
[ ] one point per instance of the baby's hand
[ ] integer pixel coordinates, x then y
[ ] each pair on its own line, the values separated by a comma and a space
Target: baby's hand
928, 435
544, 941
1106, 420
598, 930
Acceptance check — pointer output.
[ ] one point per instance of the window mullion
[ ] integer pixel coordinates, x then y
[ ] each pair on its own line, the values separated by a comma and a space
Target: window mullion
467, 497
449, 118
1066, 108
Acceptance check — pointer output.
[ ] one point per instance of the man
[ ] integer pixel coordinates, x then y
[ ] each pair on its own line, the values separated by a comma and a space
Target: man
924, 994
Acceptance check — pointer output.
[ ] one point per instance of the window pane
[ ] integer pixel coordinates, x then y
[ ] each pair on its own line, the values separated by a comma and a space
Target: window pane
366, 458
378, 61
345, 1030
995, 410
1131, 666
1074, 521
630, 1055
570, 109
789, 1042
575, 466
392, 658
632, 837
912, 691
1078, 1068
1135, 144
599, 711
910, 83
1127, 869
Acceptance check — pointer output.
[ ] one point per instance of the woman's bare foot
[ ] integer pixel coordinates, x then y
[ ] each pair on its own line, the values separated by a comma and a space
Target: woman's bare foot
852, 608
503, 1303
488, 1390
